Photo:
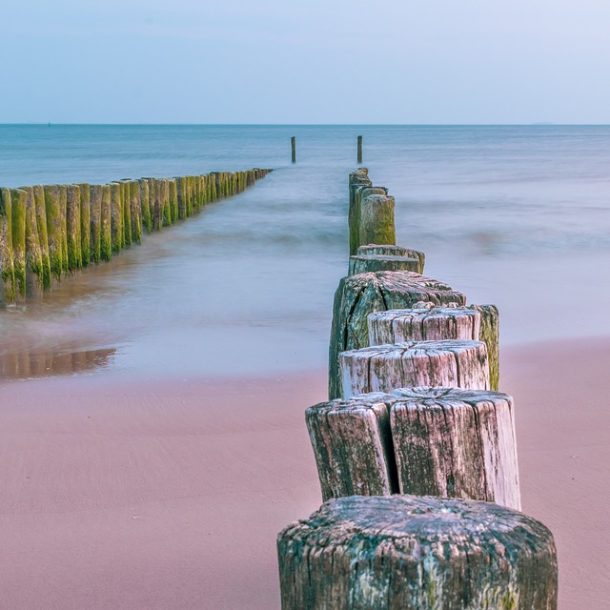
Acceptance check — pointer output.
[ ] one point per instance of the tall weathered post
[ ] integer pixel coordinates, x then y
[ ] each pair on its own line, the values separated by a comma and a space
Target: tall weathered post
293, 145
359, 149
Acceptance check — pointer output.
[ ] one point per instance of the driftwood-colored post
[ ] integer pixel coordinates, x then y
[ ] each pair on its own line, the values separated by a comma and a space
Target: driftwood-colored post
359, 154
126, 206
367, 264
426, 322
145, 204
373, 250
410, 552
383, 368
425, 441
95, 216
7, 270
136, 211
359, 295
293, 146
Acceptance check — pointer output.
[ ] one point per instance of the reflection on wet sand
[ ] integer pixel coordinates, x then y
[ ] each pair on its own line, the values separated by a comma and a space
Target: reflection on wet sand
24, 363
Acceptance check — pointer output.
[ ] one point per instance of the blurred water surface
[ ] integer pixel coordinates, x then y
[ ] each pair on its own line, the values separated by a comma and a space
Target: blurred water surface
517, 216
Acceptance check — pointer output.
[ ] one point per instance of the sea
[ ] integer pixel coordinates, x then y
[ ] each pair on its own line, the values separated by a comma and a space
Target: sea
518, 216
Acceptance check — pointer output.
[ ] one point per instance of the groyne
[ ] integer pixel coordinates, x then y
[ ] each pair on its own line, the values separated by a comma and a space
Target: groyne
49, 231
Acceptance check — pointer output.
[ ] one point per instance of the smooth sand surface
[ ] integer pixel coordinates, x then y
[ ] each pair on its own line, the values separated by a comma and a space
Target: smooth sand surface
169, 495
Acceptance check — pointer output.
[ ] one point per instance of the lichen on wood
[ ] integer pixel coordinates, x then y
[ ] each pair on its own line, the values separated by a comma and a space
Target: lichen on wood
7, 257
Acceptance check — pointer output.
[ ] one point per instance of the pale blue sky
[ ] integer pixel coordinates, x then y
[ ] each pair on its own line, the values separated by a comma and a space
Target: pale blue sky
314, 61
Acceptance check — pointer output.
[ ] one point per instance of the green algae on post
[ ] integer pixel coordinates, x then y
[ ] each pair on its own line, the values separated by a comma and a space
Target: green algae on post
52, 196
145, 204
7, 271
107, 244
173, 199
33, 255
136, 211
75, 259
18, 197
85, 223
117, 216
165, 203
125, 202
43, 238
63, 226
95, 217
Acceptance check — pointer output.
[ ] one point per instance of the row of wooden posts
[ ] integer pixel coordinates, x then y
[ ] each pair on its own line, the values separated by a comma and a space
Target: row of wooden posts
293, 149
48, 231
415, 450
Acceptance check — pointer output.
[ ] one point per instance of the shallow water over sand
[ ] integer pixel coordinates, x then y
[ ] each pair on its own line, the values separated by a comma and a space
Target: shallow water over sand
515, 216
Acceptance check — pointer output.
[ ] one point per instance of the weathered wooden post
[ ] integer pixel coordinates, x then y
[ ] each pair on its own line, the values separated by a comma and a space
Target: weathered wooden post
95, 217
428, 322
133, 189
145, 204
52, 195
416, 553
18, 206
377, 220
367, 264
75, 259
359, 156
33, 251
293, 145
359, 295
374, 250
382, 368
7, 270
85, 223
434, 441
111, 233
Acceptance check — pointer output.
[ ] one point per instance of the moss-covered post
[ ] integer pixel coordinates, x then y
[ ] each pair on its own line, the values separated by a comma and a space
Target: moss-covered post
133, 187
18, 197
75, 259
109, 239
95, 216
52, 197
63, 210
43, 238
180, 197
85, 223
7, 271
167, 209
116, 207
189, 196
173, 199
145, 204
33, 254
377, 220
126, 204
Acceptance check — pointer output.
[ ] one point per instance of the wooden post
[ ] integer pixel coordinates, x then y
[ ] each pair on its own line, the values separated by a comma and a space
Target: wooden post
359, 295
75, 259
373, 250
52, 196
366, 264
383, 368
43, 236
85, 223
410, 552
357, 192
426, 322
33, 251
293, 145
376, 224
18, 205
352, 445
359, 149
426, 441
7, 270
145, 204
456, 443
95, 216
110, 238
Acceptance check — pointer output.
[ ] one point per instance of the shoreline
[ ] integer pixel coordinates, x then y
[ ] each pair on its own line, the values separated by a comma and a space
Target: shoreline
170, 493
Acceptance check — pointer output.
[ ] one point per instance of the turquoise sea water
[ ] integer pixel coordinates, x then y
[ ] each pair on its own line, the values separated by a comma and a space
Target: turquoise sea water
517, 216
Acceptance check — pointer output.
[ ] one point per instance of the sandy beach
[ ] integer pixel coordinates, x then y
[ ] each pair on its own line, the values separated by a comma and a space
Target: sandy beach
163, 495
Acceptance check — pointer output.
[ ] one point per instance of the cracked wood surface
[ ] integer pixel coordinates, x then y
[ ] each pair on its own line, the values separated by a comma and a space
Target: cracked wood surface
416, 553
359, 295
383, 368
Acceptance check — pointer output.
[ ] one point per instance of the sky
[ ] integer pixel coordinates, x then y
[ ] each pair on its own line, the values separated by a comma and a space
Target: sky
313, 61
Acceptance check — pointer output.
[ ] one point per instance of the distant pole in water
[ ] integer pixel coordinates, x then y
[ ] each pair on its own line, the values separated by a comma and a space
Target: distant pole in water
359, 149
293, 143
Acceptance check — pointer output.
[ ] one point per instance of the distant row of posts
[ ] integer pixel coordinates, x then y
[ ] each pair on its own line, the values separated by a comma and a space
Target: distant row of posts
293, 146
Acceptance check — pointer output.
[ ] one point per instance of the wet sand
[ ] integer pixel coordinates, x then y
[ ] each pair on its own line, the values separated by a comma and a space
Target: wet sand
157, 495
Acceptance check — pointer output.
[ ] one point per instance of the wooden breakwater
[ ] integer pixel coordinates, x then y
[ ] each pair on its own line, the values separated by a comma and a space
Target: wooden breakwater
49, 231
415, 449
